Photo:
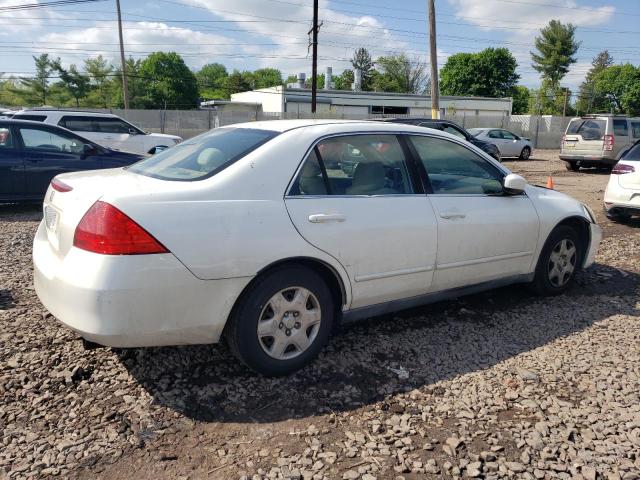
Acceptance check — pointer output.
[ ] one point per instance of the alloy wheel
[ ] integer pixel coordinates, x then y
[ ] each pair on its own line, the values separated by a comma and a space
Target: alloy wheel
289, 323
562, 262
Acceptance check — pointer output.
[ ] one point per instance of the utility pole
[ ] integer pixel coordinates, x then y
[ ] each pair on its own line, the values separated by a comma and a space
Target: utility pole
314, 67
564, 109
435, 89
125, 83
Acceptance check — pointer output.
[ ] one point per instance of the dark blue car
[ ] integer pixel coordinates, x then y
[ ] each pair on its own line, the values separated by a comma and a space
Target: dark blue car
32, 153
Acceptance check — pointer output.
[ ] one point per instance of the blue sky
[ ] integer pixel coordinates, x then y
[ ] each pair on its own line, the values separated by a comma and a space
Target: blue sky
249, 34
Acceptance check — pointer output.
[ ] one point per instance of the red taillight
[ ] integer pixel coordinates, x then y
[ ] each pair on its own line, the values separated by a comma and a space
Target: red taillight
60, 186
105, 229
609, 141
621, 169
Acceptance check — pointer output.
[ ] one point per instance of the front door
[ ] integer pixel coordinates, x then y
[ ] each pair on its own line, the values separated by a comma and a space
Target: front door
12, 183
369, 213
48, 153
483, 235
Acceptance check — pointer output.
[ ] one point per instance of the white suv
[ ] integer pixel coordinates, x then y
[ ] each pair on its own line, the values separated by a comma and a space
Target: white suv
105, 129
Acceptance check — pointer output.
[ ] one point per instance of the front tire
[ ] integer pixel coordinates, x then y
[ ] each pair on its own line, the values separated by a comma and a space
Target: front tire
282, 322
525, 153
560, 259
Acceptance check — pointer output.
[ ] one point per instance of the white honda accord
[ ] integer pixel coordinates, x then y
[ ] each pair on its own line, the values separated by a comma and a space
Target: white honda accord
270, 233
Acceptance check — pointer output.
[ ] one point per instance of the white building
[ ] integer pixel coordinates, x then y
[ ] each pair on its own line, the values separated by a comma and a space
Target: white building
282, 99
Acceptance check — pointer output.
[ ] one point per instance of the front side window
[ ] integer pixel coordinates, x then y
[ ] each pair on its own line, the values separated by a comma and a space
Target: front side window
454, 131
203, 156
6, 139
455, 170
78, 124
354, 165
45, 140
620, 127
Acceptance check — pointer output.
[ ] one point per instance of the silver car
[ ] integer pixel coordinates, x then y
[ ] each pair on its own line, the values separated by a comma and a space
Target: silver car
509, 144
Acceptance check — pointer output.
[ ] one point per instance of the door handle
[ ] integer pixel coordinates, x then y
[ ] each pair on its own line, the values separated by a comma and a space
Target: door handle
452, 215
326, 218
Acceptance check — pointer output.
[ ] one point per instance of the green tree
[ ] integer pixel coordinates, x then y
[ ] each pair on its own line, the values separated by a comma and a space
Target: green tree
588, 99
266, 77
620, 85
521, 96
362, 60
73, 82
101, 73
136, 82
400, 74
344, 80
550, 100
9, 93
34, 90
489, 73
237, 82
211, 80
556, 48
170, 82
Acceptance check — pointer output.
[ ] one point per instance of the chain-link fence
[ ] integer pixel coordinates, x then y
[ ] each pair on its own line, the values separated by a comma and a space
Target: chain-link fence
544, 131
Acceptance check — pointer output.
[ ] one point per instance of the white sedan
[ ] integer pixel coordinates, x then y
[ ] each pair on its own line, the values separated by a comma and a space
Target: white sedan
256, 233
622, 196
509, 144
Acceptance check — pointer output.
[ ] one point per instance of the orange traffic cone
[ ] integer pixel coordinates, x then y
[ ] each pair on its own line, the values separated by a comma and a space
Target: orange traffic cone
550, 183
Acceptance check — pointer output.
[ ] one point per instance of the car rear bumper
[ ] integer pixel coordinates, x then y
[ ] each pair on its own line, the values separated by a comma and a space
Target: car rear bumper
619, 200
587, 159
133, 300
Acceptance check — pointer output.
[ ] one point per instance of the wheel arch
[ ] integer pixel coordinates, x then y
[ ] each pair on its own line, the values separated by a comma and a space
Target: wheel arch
581, 226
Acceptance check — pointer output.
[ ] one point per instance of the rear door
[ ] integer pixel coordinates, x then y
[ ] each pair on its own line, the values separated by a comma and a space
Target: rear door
49, 152
482, 234
119, 135
585, 136
12, 182
375, 220
495, 137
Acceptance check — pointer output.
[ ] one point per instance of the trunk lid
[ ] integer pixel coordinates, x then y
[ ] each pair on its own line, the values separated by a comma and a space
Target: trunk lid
585, 136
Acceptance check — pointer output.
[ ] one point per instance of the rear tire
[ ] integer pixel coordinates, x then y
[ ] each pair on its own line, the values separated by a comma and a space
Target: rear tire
525, 153
559, 261
282, 321
617, 217
572, 166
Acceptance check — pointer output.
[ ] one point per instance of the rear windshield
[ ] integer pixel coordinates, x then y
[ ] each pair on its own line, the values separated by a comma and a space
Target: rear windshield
203, 156
633, 154
589, 129
33, 118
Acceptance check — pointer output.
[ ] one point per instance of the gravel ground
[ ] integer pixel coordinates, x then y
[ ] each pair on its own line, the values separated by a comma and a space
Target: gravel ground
496, 385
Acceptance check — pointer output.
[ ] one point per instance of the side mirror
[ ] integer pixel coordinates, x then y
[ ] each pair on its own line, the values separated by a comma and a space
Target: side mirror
513, 184
133, 131
89, 150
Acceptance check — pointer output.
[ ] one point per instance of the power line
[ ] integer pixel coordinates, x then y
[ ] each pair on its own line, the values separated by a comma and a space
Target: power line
35, 6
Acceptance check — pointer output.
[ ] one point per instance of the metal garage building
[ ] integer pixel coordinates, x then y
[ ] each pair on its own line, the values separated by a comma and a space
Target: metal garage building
352, 104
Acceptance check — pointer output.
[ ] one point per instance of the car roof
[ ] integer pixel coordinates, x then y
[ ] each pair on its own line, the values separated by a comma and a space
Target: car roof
73, 113
334, 125
17, 121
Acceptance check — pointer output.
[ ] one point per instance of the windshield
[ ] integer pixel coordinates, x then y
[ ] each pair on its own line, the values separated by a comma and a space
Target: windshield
589, 129
203, 156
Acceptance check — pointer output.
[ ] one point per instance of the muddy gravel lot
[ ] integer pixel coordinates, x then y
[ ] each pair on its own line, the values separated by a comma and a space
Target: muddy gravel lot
496, 385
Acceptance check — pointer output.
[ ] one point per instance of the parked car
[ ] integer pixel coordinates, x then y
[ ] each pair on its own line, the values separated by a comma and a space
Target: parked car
5, 114
32, 153
452, 128
244, 232
622, 196
509, 144
105, 129
597, 140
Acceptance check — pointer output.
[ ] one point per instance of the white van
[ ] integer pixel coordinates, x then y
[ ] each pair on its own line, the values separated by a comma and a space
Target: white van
105, 129
597, 140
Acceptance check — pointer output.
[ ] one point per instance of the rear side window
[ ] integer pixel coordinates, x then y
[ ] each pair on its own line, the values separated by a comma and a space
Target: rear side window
6, 139
588, 129
78, 124
112, 125
33, 118
203, 156
620, 127
634, 153
355, 165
